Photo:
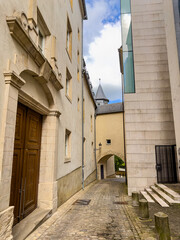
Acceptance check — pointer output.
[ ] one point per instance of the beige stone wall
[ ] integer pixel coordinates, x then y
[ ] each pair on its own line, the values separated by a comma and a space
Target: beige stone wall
172, 41
107, 127
90, 178
148, 112
110, 168
70, 184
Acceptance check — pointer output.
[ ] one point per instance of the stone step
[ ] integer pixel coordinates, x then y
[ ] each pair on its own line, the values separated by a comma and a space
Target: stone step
174, 195
30, 223
164, 196
156, 198
147, 196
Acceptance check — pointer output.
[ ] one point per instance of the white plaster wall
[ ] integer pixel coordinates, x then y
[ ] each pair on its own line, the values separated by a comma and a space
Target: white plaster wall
89, 132
8, 47
148, 112
70, 118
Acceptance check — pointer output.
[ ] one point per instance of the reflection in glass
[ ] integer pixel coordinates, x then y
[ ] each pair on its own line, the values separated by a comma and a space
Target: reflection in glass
125, 6
126, 32
129, 85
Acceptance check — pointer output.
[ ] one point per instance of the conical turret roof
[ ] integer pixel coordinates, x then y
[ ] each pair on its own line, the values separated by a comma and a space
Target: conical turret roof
100, 94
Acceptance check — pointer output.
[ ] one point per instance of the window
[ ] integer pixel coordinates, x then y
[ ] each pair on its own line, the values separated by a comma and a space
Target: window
41, 40
69, 39
108, 141
91, 123
78, 57
42, 31
67, 144
78, 104
78, 77
127, 47
68, 85
78, 34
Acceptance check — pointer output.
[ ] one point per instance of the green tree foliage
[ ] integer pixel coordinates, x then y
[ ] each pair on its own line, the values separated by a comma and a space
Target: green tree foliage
119, 163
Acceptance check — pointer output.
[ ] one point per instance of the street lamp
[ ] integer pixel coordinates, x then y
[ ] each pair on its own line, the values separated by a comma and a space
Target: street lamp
100, 145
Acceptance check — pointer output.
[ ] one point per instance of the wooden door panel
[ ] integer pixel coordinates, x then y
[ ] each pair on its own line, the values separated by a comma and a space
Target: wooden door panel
25, 172
31, 180
33, 130
20, 126
16, 181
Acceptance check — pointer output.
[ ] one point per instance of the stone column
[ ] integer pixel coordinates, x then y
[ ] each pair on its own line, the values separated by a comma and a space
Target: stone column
13, 84
47, 195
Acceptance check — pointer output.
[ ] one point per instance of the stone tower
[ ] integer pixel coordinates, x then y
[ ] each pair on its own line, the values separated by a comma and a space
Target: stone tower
100, 96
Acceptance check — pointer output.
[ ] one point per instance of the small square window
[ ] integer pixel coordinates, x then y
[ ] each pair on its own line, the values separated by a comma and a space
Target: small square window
108, 141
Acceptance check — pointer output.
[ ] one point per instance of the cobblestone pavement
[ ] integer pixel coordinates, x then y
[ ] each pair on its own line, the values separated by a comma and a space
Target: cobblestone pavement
106, 217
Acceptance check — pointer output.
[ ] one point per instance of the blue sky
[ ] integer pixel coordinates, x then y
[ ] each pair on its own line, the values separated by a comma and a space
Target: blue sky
102, 38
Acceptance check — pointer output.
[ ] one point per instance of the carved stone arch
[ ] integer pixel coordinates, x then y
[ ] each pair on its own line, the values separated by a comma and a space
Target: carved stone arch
44, 84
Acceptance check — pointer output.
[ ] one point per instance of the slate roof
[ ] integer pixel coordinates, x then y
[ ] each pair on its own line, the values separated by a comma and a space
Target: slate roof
84, 9
110, 108
100, 94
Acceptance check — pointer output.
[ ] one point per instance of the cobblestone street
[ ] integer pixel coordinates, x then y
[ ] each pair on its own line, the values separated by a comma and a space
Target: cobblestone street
104, 218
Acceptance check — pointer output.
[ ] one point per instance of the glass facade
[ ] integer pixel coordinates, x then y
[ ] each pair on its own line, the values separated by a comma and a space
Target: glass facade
127, 47
125, 6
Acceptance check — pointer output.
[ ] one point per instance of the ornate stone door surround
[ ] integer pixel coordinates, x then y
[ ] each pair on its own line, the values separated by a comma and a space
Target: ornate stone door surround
47, 189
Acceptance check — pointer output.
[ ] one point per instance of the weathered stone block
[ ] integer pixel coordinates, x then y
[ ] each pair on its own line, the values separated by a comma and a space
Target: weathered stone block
6, 222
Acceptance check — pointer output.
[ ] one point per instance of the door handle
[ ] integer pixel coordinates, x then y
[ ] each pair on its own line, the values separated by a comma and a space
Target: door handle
158, 167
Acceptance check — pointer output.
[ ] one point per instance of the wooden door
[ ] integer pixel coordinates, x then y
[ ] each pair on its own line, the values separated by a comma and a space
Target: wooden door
25, 173
165, 164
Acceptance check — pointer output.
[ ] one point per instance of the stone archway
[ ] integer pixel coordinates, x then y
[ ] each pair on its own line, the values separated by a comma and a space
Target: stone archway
105, 162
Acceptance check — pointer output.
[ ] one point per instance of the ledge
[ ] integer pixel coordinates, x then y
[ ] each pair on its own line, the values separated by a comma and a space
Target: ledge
55, 113
22, 37
13, 79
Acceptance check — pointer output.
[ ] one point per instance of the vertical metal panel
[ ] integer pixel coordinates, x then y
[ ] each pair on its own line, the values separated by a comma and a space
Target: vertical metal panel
165, 164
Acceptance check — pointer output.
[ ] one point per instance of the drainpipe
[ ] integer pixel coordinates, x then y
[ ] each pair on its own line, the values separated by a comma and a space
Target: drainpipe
95, 144
83, 75
82, 131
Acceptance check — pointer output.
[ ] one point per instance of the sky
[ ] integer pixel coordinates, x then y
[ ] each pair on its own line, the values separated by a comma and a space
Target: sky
102, 38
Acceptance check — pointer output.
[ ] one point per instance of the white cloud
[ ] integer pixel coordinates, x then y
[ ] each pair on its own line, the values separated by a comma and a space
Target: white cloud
98, 12
92, 27
102, 60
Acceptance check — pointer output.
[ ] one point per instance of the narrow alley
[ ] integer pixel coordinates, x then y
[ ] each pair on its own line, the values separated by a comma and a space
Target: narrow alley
105, 217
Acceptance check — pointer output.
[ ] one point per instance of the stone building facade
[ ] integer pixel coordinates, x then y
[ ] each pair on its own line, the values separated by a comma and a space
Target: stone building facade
109, 134
152, 91
40, 94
